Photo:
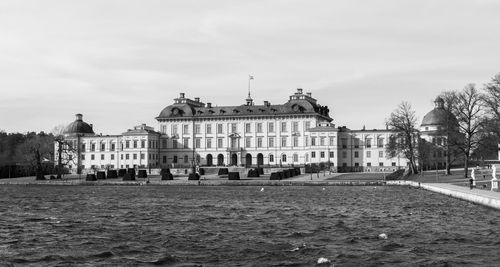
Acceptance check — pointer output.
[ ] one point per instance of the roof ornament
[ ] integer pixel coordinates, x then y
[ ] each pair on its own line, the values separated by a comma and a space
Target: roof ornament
249, 98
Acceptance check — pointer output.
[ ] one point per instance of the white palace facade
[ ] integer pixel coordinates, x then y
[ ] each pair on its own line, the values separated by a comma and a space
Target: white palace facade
193, 133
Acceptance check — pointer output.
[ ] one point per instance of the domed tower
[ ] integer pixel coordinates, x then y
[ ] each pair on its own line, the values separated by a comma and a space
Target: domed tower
79, 127
437, 126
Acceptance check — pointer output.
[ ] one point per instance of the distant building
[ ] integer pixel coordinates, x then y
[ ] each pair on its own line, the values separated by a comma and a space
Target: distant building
192, 133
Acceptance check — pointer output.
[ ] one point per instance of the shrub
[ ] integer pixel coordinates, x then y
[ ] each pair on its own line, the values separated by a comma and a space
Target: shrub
395, 175
129, 177
297, 170
167, 176
164, 171
276, 176
101, 175
131, 172
260, 170
194, 176
112, 174
142, 174
223, 171
233, 176
253, 173
121, 172
91, 177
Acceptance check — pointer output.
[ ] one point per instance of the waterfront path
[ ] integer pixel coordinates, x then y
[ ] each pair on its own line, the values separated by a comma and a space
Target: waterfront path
478, 196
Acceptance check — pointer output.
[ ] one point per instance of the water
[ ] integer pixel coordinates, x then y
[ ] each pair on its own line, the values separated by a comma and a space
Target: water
242, 226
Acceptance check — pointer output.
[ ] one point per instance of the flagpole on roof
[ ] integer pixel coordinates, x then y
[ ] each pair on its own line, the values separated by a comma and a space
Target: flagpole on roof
250, 77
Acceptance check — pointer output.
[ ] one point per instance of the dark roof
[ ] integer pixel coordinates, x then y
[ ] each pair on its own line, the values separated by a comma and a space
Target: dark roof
438, 116
139, 132
189, 109
78, 127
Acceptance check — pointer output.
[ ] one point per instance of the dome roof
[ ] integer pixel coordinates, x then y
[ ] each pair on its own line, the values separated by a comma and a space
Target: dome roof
78, 127
439, 115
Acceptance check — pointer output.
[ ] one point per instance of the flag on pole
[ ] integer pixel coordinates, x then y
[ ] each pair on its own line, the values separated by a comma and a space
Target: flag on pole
251, 77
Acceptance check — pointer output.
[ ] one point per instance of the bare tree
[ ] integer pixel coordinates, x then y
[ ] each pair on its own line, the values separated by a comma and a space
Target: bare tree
65, 149
450, 131
491, 101
404, 139
35, 150
468, 111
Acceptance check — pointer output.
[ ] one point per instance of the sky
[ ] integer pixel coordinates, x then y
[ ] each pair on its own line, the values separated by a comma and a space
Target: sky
119, 63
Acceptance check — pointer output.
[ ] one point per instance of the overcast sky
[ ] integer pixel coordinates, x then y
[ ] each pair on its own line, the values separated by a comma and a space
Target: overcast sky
121, 62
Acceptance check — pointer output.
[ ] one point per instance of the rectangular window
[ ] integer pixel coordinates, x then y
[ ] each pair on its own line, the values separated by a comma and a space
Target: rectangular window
143, 144
112, 156
332, 154
331, 140
283, 141
83, 147
295, 141
164, 159
308, 125
283, 127
163, 129
92, 157
368, 164
381, 154
270, 127
356, 154
134, 156
209, 142
92, 147
102, 157
113, 146
185, 129
247, 128
174, 160
259, 127
313, 154
174, 143
368, 142
219, 128
135, 143
322, 154
368, 154
164, 143
233, 127
356, 143
380, 142
83, 157
127, 156
344, 154
103, 146
220, 142
322, 141
381, 164
197, 129
209, 128
175, 131
313, 140
248, 141
295, 126
186, 159
393, 164
197, 142
259, 141
271, 142
185, 142
343, 141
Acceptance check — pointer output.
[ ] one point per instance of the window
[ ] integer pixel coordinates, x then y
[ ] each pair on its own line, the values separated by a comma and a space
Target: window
164, 159
259, 127
113, 146
393, 164
271, 127
343, 141
102, 157
83, 147
92, 157
142, 155
233, 127
127, 156
283, 127
381, 154
308, 125
356, 142
186, 159
295, 158
344, 154
112, 156
313, 140
103, 146
248, 142
174, 129
381, 164
185, 142
295, 141
283, 158
209, 142
271, 158
197, 142
164, 128
209, 128
356, 154
135, 143
83, 157
322, 154
283, 141
331, 140
322, 141
143, 143
219, 128
174, 160
369, 164
295, 126
368, 154
134, 156
332, 154
197, 128
356, 164
220, 142
92, 147
368, 142
313, 154
127, 144
164, 143
247, 128
185, 129
259, 141
174, 144
271, 142
380, 142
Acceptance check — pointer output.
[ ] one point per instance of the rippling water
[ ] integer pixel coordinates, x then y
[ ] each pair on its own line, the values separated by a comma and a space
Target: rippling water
242, 226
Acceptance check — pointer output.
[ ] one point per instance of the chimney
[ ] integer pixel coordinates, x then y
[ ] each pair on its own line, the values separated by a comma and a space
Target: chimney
79, 117
182, 95
209, 105
266, 103
197, 99
299, 90
309, 94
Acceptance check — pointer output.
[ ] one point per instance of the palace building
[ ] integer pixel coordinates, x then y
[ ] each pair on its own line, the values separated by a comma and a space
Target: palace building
193, 133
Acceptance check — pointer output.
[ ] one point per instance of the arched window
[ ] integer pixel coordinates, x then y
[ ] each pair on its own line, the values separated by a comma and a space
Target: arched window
271, 158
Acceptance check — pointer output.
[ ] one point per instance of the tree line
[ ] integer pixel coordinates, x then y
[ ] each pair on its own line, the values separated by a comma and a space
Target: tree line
471, 130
